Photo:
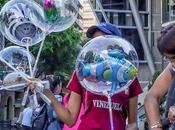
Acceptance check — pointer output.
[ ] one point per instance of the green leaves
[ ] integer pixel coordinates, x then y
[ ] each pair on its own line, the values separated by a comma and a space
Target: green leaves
59, 53
2, 2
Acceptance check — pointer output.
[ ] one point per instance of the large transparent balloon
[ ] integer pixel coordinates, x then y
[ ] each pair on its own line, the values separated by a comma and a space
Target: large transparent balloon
13, 82
15, 24
2, 41
107, 64
18, 57
54, 15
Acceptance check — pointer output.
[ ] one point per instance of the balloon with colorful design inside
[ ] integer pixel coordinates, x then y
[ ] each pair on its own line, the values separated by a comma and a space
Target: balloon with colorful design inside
15, 24
107, 64
54, 15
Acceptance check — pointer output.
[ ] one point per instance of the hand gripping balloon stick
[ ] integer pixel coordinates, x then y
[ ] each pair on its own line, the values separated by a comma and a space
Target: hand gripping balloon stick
26, 77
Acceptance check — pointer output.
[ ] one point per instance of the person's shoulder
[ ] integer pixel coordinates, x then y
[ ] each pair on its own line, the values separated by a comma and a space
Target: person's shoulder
167, 73
135, 87
135, 82
74, 84
74, 76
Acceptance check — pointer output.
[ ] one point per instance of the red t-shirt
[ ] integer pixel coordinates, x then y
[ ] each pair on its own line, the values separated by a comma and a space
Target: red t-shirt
96, 114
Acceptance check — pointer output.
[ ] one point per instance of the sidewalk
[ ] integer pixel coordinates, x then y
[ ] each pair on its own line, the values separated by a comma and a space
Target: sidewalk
7, 128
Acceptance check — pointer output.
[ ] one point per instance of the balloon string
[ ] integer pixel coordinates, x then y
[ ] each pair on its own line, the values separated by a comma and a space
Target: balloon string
40, 49
25, 76
30, 66
110, 111
26, 93
24, 100
11, 86
38, 55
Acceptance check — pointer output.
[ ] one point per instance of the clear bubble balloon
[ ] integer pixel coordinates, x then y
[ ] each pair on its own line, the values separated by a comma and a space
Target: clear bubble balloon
16, 26
2, 41
107, 64
18, 57
54, 15
13, 81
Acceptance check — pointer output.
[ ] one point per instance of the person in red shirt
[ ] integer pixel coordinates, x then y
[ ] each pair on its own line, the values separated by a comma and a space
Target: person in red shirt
96, 108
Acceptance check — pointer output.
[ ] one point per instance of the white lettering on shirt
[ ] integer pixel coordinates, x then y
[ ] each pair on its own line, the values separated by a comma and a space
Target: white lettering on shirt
104, 104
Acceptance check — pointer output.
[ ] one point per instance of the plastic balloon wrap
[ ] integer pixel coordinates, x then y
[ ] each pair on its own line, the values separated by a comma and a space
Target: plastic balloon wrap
15, 24
107, 64
54, 15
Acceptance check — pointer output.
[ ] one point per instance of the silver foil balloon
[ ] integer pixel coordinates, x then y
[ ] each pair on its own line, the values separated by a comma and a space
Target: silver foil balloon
16, 26
54, 15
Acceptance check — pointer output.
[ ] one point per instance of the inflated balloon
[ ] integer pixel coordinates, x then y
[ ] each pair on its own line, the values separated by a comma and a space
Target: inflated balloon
18, 57
54, 15
13, 81
107, 64
15, 24
2, 41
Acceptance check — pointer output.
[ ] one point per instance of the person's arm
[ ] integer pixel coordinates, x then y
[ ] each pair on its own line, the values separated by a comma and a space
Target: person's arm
132, 114
154, 96
67, 115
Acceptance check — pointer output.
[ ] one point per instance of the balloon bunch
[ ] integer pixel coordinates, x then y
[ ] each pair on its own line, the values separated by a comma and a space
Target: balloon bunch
26, 23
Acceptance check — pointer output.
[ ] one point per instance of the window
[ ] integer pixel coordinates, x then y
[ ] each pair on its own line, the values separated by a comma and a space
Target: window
132, 36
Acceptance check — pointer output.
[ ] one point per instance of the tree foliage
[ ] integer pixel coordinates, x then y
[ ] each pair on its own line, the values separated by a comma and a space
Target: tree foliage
59, 53
2, 2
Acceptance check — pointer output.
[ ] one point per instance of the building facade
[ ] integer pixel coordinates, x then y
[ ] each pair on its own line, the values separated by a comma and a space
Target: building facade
88, 16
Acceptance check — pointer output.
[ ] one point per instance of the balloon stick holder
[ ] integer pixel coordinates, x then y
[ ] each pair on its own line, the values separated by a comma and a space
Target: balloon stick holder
27, 78
109, 95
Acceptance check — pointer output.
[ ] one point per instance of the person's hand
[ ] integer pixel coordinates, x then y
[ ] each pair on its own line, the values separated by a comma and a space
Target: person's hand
32, 83
38, 85
171, 114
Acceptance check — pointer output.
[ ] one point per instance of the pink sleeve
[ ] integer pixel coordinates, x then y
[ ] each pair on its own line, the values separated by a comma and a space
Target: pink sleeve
74, 84
135, 88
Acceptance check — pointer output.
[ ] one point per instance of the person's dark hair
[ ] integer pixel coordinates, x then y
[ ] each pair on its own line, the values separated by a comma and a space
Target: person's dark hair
54, 81
166, 42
